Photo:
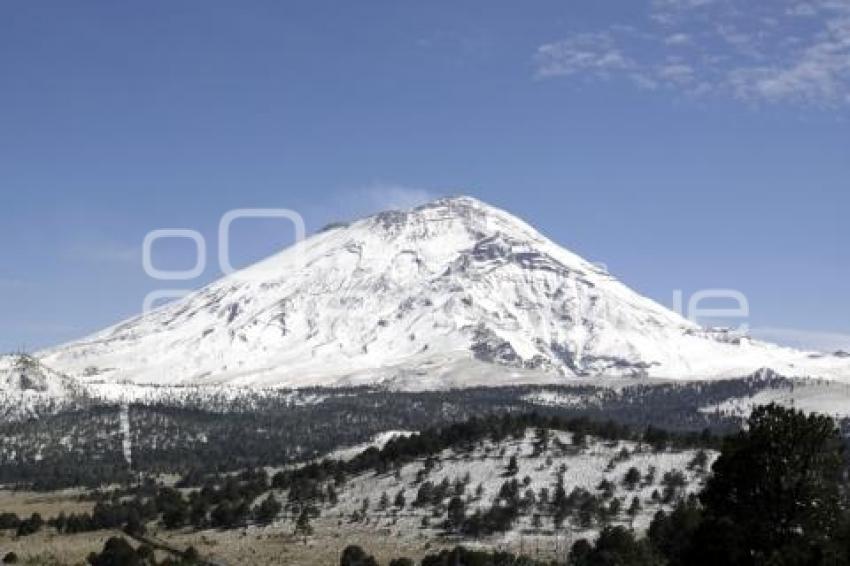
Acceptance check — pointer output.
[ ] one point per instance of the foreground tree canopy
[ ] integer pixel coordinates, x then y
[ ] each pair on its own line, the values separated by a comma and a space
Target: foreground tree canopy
777, 496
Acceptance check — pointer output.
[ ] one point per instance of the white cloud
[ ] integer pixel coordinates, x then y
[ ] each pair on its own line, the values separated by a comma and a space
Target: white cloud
644, 81
353, 203
755, 52
804, 339
681, 4
593, 52
670, 12
398, 197
677, 39
676, 73
802, 9
742, 42
818, 74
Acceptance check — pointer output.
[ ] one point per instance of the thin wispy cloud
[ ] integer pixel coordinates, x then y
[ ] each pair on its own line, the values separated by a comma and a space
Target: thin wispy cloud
677, 39
360, 201
594, 53
398, 197
783, 52
802, 9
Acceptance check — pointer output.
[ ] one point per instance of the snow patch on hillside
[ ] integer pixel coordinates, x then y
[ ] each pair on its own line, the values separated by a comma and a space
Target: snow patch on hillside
29, 388
378, 441
811, 396
486, 464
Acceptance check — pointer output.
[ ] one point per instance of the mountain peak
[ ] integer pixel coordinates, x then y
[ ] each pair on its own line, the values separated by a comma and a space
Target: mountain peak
463, 208
456, 202
418, 298
459, 224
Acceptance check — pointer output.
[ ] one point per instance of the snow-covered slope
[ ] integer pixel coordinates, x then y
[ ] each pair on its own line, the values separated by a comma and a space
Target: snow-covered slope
27, 388
480, 472
455, 292
378, 441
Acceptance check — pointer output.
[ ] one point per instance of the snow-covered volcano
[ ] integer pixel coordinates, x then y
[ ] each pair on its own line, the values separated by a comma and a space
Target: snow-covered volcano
454, 292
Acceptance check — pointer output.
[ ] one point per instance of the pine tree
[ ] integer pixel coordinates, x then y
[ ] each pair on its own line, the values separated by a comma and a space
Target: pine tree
513, 467
479, 491
267, 510
302, 525
632, 478
456, 514
399, 499
541, 441
634, 508
775, 490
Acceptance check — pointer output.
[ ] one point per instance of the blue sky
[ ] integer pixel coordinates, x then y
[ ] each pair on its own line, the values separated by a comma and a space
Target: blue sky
687, 144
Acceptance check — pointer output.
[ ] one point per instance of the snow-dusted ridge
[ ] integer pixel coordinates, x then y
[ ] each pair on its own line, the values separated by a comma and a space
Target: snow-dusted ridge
29, 388
452, 293
482, 469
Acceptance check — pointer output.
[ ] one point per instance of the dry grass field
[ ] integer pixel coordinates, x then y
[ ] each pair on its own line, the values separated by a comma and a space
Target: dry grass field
25, 503
255, 547
277, 545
